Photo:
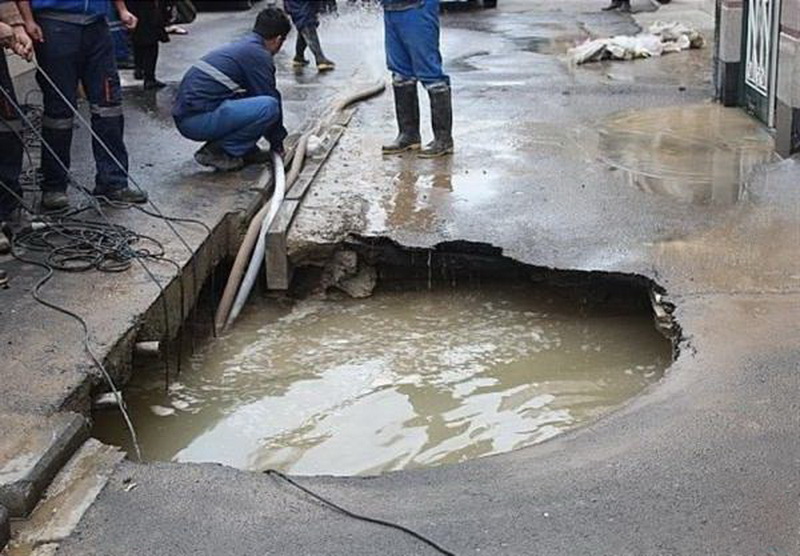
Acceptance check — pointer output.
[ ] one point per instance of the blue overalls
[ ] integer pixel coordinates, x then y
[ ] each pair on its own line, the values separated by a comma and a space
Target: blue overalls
412, 42
304, 13
78, 49
230, 98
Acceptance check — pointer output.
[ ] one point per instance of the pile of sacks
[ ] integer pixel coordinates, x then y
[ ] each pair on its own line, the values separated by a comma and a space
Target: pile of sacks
660, 38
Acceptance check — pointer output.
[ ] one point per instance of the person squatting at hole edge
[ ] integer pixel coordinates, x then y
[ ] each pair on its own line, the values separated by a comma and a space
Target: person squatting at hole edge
74, 45
229, 98
304, 14
412, 54
13, 36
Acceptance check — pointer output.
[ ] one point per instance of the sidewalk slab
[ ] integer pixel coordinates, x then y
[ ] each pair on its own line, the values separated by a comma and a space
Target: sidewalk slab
69, 496
32, 450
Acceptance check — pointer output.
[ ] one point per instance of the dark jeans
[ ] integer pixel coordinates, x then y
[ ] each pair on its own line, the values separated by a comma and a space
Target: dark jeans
73, 54
146, 59
10, 145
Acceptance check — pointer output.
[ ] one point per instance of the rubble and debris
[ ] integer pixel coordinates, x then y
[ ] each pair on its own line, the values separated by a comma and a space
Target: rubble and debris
660, 38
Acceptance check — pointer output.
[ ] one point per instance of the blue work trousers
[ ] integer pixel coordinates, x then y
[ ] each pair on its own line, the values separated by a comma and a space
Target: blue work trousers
236, 125
412, 44
73, 54
10, 144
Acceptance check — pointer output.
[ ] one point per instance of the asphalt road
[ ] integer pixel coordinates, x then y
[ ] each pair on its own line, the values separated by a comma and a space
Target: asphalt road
705, 462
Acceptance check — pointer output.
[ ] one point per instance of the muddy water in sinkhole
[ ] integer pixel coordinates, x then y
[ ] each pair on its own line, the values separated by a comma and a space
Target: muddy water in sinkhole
399, 380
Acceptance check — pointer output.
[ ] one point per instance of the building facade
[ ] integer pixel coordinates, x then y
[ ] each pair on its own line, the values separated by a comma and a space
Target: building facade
757, 63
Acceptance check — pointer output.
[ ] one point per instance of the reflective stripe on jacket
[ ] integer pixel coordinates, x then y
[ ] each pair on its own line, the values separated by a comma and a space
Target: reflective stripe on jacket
240, 69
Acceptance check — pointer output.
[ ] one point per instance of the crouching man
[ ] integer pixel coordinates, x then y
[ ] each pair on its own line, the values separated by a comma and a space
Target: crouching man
229, 98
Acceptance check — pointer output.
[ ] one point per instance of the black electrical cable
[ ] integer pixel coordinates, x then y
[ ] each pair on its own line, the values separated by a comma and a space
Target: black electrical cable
98, 208
99, 141
359, 517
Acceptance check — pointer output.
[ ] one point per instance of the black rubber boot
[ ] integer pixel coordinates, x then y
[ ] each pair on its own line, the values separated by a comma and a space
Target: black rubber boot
625, 6
406, 106
312, 40
442, 121
615, 4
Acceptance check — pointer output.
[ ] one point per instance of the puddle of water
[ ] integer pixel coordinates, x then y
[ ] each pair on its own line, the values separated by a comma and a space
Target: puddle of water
700, 154
399, 380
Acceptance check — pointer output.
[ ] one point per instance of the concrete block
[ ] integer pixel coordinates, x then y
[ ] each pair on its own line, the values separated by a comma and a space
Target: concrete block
787, 129
790, 16
730, 34
788, 89
5, 527
33, 448
65, 501
727, 83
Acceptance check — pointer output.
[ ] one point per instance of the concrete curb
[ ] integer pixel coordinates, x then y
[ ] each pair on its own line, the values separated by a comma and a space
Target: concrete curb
33, 450
5, 528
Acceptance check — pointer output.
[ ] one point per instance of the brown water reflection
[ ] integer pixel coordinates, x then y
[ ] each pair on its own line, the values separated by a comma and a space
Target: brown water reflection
396, 381
700, 154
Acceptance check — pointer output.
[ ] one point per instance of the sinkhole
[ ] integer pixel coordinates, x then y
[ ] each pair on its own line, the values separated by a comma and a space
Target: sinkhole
388, 358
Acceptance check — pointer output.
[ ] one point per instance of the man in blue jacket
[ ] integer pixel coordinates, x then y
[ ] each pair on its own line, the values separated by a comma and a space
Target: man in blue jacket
412, 54
74, 45
230, 99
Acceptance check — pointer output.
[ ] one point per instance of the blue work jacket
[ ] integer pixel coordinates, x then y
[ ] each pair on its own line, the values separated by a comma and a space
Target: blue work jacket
398, 5
81, 7
247, 70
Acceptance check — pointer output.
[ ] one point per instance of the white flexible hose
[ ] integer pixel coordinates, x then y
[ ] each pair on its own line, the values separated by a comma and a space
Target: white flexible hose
257, 260
223, 314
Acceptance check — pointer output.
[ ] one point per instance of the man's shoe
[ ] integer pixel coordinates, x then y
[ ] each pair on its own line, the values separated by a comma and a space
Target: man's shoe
625, 7
54, 200
124, 195
299, 62
257, 155
153, 85
213, 156
325, 65
615, 4
5, 243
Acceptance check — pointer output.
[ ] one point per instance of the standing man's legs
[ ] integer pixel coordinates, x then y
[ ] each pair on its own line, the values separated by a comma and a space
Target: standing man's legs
412, 49
299, 59
59, 58
404, 84
10, 151
421, 30
101, 80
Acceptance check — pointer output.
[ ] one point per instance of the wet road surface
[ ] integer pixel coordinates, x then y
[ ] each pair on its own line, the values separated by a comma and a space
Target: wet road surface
704, 462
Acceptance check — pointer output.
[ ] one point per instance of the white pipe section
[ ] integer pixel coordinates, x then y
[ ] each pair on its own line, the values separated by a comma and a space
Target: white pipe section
257, 260
147, 348
222, 317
